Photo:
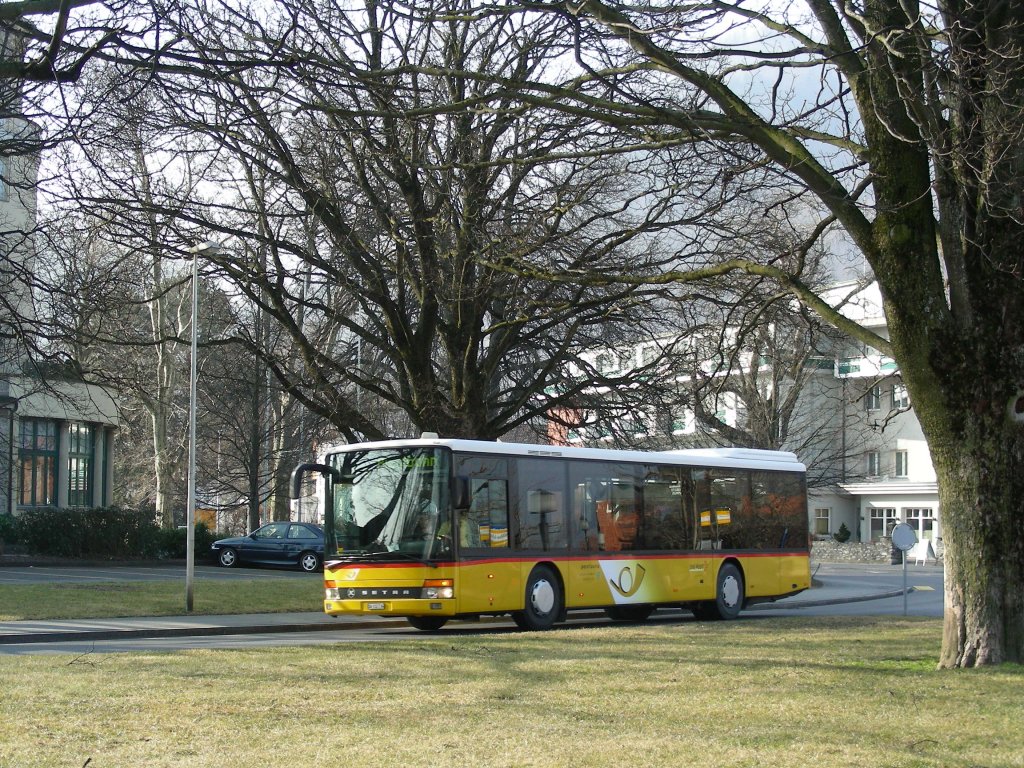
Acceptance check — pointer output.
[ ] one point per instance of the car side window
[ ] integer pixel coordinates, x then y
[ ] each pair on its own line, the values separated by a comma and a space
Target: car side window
272, 531
300, 532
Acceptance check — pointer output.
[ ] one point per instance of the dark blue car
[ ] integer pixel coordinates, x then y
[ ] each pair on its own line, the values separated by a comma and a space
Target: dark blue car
300, 544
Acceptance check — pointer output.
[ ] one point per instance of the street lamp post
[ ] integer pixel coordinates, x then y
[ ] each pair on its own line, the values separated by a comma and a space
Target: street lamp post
207, 249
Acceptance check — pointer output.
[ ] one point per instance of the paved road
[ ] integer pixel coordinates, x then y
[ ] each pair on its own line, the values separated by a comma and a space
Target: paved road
841, 590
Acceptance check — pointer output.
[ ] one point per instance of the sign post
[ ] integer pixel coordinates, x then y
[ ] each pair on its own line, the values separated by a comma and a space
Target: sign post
904, 539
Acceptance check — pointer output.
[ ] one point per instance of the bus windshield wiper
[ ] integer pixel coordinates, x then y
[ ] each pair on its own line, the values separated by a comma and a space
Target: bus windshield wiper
397, 554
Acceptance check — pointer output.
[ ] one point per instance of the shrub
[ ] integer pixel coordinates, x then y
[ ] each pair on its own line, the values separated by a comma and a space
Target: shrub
101, 533
842, 535
107, 532
171, 542
8, 528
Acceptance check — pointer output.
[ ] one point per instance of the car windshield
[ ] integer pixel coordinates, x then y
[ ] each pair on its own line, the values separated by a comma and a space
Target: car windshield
391, 504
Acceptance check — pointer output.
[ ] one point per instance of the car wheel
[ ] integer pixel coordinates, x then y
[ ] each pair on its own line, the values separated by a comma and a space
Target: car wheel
309, 561
228, 557
427, 623
543, 600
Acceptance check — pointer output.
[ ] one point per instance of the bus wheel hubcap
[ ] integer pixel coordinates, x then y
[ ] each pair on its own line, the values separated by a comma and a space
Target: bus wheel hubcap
730, 591
543, 597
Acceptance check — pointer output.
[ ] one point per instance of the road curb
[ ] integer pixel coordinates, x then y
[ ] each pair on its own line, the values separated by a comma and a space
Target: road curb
202, 631
781, 606
211, 630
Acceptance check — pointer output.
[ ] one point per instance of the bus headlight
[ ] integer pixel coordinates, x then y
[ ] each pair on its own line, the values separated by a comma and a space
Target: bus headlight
333, 593
439, 589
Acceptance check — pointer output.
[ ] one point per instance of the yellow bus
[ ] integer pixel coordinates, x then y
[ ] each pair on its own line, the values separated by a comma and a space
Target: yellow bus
437, 529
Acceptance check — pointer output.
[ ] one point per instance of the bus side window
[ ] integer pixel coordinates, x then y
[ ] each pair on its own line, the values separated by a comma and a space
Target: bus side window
618, 515
486, 524
667, 521
540, 505
707, 532
584, 514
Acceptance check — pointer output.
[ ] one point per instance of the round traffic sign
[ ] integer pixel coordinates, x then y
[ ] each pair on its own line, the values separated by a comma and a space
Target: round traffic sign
903, 537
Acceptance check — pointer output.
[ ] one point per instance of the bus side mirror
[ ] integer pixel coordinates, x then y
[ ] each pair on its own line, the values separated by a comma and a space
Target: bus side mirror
302, 469
460, 493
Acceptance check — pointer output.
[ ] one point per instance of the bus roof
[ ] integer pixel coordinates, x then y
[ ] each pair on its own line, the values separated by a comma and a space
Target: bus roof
740, 458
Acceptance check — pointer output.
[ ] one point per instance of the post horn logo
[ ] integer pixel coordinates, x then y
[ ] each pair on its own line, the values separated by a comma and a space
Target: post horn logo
628, 584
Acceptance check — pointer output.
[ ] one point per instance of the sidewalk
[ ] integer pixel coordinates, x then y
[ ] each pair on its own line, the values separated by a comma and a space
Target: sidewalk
828, 590
49, 631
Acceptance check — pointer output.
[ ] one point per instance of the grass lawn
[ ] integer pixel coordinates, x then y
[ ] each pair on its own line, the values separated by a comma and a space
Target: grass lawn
756, 692
158, 598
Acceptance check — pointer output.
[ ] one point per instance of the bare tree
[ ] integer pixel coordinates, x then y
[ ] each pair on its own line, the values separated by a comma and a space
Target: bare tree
909, 138
370, 179
56, 38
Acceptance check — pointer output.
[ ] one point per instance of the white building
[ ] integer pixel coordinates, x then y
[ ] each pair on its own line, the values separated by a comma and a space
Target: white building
888, 475
854, 427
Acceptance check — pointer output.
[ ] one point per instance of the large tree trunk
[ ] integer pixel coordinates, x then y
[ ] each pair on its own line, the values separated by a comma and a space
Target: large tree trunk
981, 488
964, 368
981, 469
957, 332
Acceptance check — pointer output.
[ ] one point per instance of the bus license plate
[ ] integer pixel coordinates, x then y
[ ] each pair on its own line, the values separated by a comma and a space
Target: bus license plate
375, 606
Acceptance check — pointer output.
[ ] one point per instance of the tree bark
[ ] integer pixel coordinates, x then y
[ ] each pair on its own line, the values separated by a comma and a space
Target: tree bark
981, 487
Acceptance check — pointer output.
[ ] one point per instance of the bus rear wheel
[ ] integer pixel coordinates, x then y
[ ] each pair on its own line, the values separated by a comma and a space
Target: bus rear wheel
427, 623
543, 601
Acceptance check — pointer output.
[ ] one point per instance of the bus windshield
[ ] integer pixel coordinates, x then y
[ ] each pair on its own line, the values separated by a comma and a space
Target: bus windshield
391, 504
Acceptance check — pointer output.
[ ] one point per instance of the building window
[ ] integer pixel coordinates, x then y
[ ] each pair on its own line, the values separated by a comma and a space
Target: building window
37, 463
80, 455
883, 520
822, 520
900, 397
872, 464
634, 426
922, 520
685, 424
607, 363
873, 398
900, 465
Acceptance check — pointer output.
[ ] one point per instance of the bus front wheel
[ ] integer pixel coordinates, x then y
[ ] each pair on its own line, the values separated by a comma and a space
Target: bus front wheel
543, 600
729, 595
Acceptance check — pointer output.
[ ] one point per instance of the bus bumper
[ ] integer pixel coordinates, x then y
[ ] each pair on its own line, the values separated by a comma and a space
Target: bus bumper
386, 607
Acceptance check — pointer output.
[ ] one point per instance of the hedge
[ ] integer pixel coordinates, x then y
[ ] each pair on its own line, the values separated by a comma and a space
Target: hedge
101, 533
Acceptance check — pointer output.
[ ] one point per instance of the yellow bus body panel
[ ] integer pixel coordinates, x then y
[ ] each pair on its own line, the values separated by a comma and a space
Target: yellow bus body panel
490, 586
494, 586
